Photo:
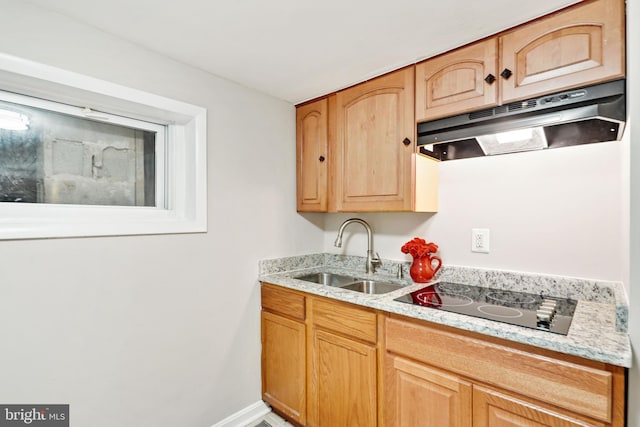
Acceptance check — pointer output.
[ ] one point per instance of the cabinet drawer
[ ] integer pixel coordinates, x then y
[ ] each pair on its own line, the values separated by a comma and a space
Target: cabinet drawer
493, 408
582, 389
281, 301
345, 319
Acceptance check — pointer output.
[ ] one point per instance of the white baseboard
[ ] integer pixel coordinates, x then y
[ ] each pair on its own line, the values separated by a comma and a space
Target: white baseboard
245, 416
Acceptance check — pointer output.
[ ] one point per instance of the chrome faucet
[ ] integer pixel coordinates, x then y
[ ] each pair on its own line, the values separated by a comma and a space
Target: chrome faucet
372, 260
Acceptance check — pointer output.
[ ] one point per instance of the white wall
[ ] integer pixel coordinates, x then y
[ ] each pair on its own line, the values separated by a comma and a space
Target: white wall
154, 330
556, 212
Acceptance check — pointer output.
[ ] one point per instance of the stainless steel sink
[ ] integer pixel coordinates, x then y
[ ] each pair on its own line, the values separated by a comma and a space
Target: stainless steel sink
371, 287
350, 283
328, 279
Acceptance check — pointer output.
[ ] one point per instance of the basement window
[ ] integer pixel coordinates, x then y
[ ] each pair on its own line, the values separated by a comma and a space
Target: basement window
85, 157
60, 154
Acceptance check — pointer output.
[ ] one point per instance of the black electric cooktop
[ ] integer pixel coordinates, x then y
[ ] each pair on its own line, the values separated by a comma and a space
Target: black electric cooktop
534, 311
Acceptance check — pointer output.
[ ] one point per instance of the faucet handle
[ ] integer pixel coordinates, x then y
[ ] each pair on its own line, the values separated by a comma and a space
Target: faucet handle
374, 263
375, 260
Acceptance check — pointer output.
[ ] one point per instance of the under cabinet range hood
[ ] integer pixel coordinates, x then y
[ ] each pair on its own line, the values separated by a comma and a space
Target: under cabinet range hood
578, 116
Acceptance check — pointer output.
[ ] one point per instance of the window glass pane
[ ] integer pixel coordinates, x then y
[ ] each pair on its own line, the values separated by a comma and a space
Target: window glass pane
51, 157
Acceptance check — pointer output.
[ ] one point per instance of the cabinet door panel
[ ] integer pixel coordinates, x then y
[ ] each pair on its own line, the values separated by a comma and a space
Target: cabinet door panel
283, 365
344, 382
494, 409
368, 121
420, 396
581, 46
581, 389
373, 165
454, 82
312, 156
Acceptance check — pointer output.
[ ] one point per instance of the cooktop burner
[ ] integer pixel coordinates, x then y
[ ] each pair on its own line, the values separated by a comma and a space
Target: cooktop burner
517, 308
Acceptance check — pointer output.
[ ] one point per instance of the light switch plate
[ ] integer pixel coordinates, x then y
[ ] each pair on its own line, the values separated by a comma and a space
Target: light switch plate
480, 240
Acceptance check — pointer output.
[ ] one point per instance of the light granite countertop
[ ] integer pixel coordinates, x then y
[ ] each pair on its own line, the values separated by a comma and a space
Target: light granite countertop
597, 332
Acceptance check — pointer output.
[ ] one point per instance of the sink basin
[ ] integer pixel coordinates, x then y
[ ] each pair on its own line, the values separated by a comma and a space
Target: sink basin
328, 279
371, 287
350, 283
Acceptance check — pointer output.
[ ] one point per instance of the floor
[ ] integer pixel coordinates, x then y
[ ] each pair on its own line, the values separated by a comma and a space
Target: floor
270, 420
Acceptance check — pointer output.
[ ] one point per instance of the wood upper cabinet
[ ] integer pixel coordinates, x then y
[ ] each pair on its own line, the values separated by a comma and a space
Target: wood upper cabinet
356, 151
284, 352
579, 46
374, 144
312, 156
576, 47
462, 80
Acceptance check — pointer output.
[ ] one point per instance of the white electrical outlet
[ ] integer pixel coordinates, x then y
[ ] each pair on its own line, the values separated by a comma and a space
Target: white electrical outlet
480, 240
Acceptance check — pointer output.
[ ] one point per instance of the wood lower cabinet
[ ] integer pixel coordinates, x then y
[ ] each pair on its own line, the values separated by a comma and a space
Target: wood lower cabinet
283, 365
343, 365
283, 334
343, 381
510, 384
328, 363
421, 396
319, 359
418, 395
492, 408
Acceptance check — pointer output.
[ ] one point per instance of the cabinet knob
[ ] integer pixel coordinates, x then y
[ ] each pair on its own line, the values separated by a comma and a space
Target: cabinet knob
506, 73
321, 158
490, 78
406, 141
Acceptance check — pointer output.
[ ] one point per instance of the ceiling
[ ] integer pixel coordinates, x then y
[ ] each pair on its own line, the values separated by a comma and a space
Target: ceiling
297, 50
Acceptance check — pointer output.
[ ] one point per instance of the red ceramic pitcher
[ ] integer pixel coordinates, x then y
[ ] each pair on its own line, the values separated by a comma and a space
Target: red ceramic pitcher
422, 269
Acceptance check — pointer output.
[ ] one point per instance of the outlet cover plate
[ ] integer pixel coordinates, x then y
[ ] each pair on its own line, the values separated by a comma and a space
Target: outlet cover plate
480, 240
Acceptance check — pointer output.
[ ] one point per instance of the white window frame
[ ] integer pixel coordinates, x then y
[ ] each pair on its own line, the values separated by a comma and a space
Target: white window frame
185, 180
